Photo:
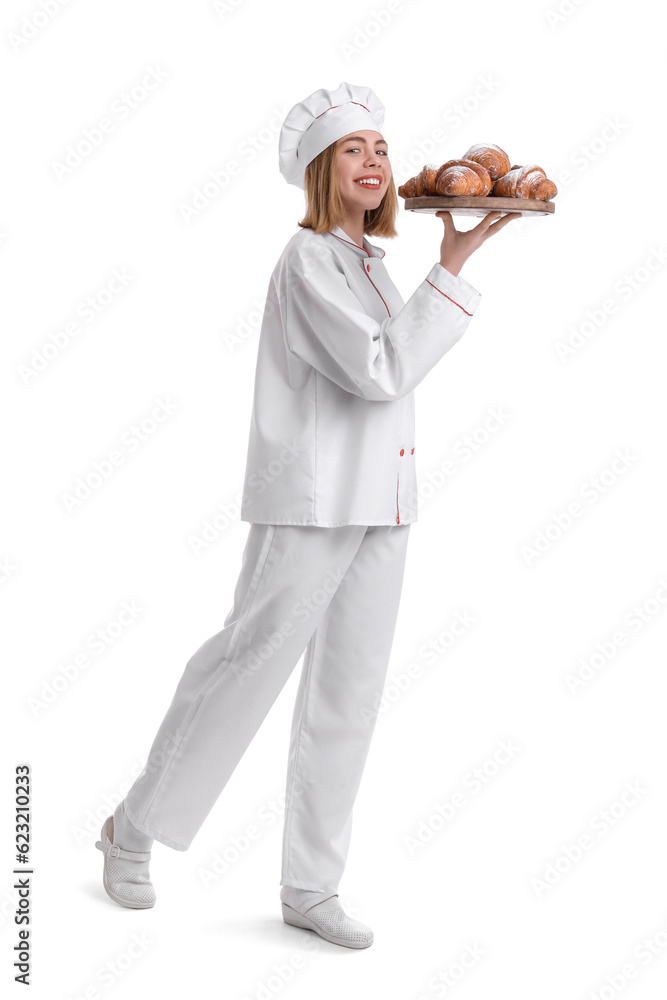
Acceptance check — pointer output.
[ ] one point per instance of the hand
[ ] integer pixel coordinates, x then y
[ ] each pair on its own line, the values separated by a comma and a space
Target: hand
456, 246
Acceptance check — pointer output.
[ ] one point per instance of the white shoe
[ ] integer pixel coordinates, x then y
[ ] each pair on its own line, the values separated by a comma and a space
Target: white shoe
125, 877
328, 919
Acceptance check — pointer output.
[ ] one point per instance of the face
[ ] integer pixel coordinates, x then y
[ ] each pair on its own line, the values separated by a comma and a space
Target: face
365, 156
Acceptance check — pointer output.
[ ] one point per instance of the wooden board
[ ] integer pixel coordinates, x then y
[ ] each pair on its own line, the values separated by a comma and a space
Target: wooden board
466, 205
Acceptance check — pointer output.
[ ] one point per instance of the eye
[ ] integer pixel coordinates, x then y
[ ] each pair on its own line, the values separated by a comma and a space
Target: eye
352, 149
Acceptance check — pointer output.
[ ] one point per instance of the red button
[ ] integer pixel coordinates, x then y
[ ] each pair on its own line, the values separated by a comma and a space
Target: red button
368, 267
412, 452
402, 451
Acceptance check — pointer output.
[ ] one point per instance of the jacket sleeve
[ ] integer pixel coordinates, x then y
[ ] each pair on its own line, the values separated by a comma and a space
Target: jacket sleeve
327, 326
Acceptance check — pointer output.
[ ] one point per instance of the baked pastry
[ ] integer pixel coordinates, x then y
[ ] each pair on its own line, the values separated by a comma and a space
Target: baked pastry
462, 177
483, 170
529, 181
425, 180
407, 190
492, 157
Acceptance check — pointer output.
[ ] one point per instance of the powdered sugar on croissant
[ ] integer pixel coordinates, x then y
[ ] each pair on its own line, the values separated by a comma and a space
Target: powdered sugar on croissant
425, 180
490, 156
463, 177
407, 190
529, 181
483, 170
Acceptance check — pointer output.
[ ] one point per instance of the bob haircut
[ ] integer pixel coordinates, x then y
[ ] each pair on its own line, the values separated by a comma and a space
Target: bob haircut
325, 207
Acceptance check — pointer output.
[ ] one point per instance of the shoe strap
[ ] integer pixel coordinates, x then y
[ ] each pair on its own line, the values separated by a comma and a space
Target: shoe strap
324, 896
114, 851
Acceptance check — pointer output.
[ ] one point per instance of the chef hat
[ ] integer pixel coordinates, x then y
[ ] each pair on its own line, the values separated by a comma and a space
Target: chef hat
320, 119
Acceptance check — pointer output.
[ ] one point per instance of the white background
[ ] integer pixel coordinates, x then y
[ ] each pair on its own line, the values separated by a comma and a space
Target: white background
582, 94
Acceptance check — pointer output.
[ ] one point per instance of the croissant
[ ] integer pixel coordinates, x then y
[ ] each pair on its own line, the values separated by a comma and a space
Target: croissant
525, 182
492, 157
407, 190
478, 174
462, 177
425, 180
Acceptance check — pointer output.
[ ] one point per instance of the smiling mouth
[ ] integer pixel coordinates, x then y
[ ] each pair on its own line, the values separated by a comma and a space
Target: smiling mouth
369, 184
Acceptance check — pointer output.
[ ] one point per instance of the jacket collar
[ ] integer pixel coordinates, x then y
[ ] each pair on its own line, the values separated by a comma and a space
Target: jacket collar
368, 249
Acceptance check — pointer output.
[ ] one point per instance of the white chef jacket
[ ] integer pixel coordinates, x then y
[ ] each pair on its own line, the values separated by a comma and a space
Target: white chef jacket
332, 432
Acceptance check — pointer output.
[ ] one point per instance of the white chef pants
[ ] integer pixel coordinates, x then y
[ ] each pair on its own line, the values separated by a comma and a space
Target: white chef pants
333, 592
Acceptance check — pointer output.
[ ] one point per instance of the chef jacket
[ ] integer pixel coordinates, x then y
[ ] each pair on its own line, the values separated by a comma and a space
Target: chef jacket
332, 432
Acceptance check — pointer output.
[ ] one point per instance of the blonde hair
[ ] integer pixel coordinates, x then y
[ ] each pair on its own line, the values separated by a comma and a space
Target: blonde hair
325, 209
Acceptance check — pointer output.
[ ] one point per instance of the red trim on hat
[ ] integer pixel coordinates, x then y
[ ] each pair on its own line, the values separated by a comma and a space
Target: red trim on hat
337, 106
340, 106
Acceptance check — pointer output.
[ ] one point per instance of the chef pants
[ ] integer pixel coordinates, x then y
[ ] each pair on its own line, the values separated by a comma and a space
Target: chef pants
333, 592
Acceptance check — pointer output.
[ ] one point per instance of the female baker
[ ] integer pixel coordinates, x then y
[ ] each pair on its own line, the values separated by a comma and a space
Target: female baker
330, 492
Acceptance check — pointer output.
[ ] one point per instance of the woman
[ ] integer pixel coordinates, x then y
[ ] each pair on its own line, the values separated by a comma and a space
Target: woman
330, 492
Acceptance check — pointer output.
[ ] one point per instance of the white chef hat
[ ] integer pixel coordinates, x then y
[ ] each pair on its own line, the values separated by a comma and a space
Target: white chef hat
320, 119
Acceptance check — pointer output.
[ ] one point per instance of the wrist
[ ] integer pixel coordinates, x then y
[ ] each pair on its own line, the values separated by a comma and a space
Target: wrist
452, 266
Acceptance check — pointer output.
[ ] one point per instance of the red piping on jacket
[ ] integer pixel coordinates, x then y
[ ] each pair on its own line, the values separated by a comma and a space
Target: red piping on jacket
448, 297
351, 244
398, 520
376, 289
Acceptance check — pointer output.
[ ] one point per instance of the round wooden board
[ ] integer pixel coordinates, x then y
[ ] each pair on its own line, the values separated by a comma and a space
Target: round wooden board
466, 205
